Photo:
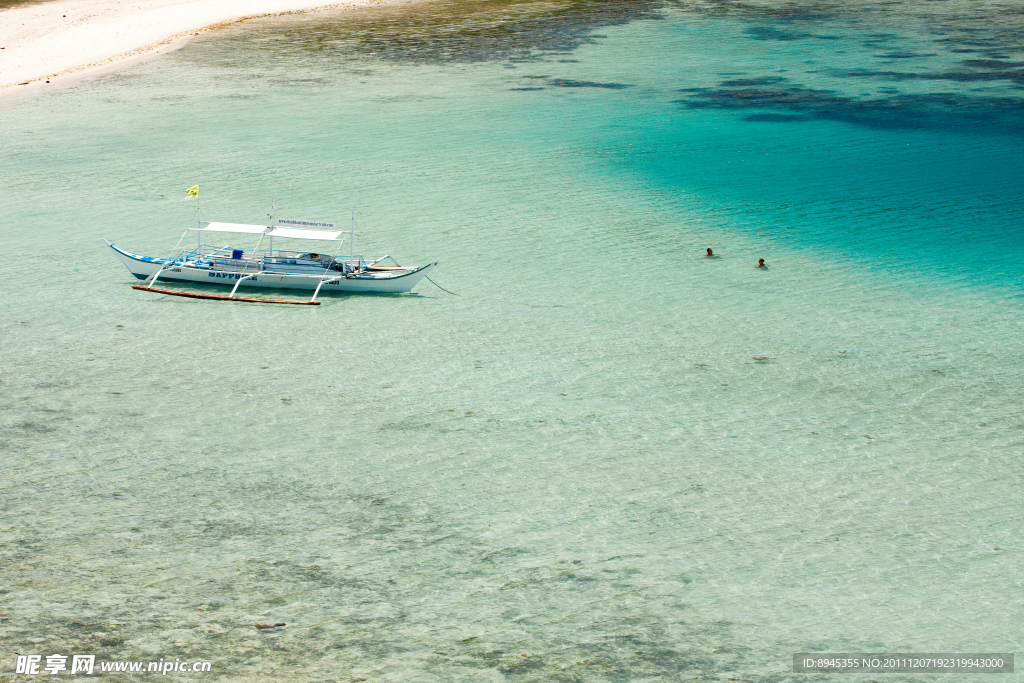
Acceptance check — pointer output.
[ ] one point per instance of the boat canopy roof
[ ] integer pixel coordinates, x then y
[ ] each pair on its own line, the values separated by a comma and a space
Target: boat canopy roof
234, 227
292, 233
305, 234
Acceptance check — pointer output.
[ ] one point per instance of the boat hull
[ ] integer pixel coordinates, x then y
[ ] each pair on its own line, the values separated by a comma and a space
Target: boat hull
144, 267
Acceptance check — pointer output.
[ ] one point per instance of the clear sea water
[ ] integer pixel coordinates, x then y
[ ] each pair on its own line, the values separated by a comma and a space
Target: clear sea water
605, 457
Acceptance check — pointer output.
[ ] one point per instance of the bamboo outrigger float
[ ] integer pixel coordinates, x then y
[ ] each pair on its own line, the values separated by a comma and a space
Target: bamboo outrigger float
269, 267
196, 295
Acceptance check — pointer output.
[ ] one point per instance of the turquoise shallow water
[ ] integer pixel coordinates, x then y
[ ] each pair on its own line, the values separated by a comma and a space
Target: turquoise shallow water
580, 457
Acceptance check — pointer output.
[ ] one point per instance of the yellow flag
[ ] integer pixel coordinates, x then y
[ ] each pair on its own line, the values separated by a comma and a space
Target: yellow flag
192, 191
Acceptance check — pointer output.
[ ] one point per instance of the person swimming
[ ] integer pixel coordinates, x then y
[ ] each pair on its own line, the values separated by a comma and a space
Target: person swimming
761, 264
710, 253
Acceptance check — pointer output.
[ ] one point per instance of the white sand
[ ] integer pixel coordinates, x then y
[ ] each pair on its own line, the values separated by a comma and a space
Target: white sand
65, 38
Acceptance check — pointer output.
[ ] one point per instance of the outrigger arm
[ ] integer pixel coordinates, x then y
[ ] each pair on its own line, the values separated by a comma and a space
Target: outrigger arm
240, 282
157, 274
174, 261
321, 284
330, 279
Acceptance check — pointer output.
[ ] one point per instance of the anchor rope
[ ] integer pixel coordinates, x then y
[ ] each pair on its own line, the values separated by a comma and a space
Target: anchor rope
439, 286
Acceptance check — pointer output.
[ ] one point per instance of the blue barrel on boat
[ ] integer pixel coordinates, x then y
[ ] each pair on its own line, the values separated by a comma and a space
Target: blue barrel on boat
236, 253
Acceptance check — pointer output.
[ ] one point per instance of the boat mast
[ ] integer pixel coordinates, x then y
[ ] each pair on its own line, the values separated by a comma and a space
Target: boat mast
352, 238
271, 226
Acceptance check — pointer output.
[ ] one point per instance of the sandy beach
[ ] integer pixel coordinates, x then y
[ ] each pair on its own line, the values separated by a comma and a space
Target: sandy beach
57, 40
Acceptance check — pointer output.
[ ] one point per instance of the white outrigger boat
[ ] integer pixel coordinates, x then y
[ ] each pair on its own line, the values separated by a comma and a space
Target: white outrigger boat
272, 268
